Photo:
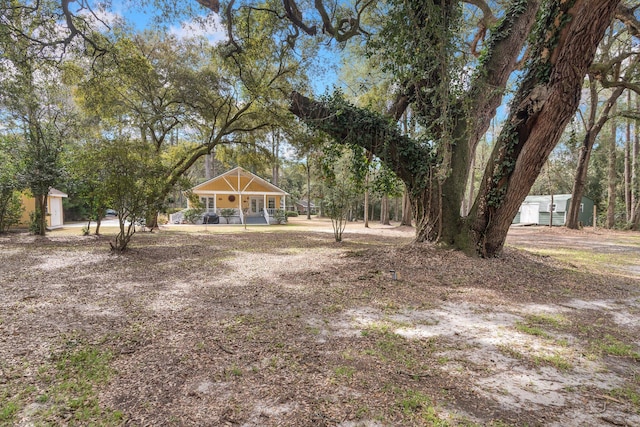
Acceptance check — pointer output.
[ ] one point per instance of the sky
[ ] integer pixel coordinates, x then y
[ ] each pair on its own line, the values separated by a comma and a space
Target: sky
207, 24
140, 18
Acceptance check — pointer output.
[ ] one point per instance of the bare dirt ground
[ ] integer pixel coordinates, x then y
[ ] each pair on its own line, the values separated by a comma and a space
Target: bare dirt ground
281, 326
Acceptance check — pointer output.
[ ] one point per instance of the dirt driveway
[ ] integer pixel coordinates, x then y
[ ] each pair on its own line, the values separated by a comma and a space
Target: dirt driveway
280, 326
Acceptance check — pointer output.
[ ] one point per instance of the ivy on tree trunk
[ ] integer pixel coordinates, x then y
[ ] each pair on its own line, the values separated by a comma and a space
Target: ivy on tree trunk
435, 172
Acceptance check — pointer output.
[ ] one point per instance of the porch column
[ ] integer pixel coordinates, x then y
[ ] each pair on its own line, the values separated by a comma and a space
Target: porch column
240, 206
215, 202
264, 204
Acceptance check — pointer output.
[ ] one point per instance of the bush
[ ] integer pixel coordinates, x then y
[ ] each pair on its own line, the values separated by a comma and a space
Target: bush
170, 211
227, 213
280, 216
289, 214
193, 215
10, 209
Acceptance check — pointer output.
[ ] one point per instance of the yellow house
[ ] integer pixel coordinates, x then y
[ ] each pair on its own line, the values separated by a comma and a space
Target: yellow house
54, 214
247, 194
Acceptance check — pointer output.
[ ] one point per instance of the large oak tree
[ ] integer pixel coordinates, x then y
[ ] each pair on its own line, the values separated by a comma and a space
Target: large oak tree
421, 44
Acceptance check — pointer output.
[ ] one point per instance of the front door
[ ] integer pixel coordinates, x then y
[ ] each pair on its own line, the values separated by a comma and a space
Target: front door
256, 205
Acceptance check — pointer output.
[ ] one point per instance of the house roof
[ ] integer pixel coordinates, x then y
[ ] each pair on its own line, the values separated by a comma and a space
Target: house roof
547, 198
232, 181
559, 200
303, 203
56, 193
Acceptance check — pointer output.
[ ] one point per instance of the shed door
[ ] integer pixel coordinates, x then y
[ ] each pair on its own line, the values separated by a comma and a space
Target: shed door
56, 211
530, 213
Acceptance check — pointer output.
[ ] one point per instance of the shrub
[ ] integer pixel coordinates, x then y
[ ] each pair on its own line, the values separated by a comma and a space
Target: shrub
227, 213
193, 215
291, 214
280, 216
10, 209
170, 211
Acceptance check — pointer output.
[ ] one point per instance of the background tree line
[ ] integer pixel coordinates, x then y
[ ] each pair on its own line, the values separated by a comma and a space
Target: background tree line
424, 99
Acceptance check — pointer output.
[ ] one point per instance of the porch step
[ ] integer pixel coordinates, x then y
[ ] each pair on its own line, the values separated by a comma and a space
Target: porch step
252, 220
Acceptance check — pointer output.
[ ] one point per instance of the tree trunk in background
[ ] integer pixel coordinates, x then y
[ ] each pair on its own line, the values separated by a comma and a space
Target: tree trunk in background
593, 130
366, 201
384, 210
407, 217
635, 214
612, 180
628, 200
396, 209
208, 173
308, 189
275, 152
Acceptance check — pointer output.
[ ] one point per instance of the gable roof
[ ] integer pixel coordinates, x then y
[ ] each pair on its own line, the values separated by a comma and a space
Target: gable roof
56, 193
237, 180
303, 203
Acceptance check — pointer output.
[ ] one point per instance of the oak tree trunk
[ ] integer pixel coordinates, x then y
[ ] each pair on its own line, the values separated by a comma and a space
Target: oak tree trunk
540, 111
563, 48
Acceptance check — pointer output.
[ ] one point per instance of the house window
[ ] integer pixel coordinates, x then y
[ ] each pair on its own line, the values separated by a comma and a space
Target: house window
581, 207
551, 207
271, 203
211, 203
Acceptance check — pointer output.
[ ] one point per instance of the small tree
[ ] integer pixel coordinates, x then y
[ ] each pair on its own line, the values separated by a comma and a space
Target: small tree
42, 170
341, 186
87, 174
10, 204
337, 203
131, 174
10, 209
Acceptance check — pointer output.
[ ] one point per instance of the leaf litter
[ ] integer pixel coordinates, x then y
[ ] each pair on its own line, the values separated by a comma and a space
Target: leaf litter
292, 329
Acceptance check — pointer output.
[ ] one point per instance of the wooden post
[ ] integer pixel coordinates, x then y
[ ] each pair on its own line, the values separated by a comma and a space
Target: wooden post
595, 218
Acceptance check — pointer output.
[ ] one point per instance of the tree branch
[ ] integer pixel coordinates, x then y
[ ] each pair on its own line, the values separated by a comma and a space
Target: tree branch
491, 78
213, 5
409, 159
627, 16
